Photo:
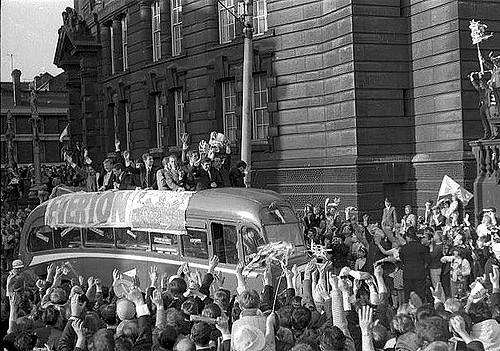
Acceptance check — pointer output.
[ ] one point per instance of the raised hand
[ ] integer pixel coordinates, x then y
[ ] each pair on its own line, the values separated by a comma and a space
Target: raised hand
90, 282
213, 263
153, 275
51, 270
77, 325
458, 324
126, 155
268, 277
14, 300
81, 280
438, 293
334, 281
223, 324
116, 275
495, 277
184, 138
365, 315
76, 307
378, 271
157, 299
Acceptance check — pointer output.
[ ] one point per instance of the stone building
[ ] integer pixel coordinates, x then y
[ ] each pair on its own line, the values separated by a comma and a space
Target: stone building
355, 98
52, 109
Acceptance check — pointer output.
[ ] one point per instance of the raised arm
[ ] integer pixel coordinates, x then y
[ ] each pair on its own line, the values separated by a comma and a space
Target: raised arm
338, 313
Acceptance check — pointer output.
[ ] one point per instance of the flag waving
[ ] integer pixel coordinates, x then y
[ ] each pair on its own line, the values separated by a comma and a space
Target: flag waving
64, 133
449, 187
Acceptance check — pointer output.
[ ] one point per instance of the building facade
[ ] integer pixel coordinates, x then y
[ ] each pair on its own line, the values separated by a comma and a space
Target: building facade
360, 99
52, 110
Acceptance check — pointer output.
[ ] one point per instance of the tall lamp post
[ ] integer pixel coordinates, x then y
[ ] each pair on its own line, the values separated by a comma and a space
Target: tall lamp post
10, 135
246, 122
246, 119
35, 122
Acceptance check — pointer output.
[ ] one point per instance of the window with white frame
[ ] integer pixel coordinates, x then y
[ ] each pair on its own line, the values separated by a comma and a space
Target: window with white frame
176, 20
159, 109
112, 36
259, 17
127, 124
124, 42
228, 110
180, 126
260, 130
155, 28
227, 28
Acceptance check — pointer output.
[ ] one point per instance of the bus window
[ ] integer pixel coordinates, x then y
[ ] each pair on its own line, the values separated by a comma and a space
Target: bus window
131, 239
99, 237
165, 243
67, 237
225, 240
252, 240
195, 244
40, 239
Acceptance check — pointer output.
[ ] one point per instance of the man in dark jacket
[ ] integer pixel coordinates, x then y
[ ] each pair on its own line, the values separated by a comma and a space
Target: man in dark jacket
414, 257
237, 175
147, 174
123, 180
221, 173
204, 176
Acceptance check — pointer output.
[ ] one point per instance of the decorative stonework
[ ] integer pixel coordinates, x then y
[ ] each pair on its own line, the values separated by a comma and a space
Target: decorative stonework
74, 23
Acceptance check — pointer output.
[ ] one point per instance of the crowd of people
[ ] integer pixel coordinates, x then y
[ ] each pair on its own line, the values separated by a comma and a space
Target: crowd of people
427, 283
416, 283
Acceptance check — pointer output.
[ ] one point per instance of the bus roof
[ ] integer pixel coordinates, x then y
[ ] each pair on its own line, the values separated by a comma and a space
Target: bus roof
154, 210
236, 203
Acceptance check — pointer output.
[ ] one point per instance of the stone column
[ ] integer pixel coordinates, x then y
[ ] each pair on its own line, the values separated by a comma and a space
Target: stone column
74, 103
106, 49
117, 43
145, 36
89, 97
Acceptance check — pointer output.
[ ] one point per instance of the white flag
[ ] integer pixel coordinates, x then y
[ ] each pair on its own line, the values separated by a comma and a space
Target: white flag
64, 134
449, 186
131, 273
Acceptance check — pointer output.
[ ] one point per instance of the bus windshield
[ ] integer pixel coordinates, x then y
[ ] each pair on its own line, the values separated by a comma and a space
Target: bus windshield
285, 232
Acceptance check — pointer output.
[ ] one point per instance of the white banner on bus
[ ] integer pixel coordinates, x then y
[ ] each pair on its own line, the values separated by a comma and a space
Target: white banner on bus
146, 210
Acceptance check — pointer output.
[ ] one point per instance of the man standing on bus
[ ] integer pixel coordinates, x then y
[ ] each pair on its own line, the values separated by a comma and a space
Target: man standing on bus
123, 180
147, 174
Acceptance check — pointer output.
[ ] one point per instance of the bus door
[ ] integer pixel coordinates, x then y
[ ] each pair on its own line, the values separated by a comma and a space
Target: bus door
224, 242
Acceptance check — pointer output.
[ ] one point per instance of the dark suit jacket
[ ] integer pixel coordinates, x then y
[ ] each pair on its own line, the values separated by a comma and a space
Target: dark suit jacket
203, 179
145, 180
127, 182
414, 257
237, 178
109, 185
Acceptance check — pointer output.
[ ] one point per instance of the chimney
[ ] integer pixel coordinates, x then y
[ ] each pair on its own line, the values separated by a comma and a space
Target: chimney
16, 86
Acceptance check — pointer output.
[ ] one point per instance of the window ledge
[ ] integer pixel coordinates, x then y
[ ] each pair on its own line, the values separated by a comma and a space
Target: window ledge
267, 34
260, 145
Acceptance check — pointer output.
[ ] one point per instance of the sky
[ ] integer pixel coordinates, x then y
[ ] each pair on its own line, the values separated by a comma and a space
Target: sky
29, 32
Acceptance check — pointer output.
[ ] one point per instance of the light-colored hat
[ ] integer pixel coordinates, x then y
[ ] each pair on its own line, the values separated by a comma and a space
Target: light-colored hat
17, 264
125, 309
248, 338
